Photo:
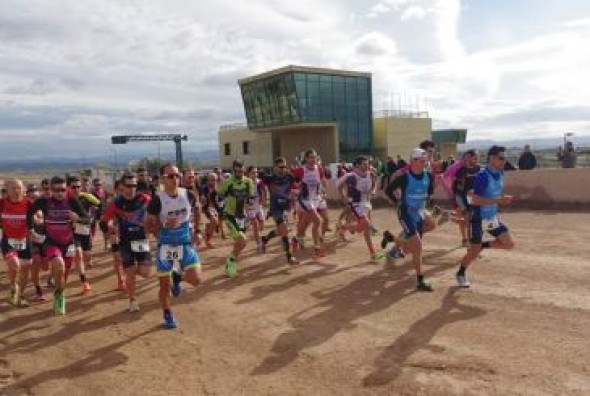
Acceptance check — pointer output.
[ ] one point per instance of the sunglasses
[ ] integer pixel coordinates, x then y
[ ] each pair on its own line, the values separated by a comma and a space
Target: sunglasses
130, 185
59, 190
282, 167
76, 187
172, 176
98, 185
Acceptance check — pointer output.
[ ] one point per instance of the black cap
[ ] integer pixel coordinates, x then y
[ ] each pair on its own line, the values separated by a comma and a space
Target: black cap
495, 150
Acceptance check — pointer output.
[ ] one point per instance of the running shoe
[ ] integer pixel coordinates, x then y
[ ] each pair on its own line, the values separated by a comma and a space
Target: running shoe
293, 261
395, 253
231, 267
133, 306
462, 280
169, 321
176, 279
86, 288
387, 237
377, 256
59, 303
424, 286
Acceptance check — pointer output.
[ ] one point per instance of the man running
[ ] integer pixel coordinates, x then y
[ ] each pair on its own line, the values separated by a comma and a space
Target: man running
356, 189
488, 193
38, 263
16, 247
189, 182
60, 215
82, 232
462, 185
254, 208
413, 190
168, 218
312, 178
130, 208
279, 185
238, 190
211, 209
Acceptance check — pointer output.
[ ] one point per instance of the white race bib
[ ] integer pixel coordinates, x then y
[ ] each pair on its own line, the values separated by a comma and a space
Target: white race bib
171, 253
18, 244
141, 246
493, 223
241, 222
71, 250
82, 229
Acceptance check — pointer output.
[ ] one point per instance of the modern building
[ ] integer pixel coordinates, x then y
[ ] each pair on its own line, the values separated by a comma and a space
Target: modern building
446, 141
302, 107
291, 109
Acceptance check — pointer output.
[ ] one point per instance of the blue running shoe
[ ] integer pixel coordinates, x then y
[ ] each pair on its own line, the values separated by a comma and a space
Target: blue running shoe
395, 254
176, 279
169, 321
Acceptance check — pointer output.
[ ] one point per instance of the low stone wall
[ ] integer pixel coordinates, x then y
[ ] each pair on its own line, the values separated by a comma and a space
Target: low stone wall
562, 189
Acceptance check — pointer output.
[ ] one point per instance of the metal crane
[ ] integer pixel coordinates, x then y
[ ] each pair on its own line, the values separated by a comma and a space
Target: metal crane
176, 138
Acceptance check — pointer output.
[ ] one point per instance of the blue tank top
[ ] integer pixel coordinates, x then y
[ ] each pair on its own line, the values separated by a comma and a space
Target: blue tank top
416, 192
494, 188
180, 208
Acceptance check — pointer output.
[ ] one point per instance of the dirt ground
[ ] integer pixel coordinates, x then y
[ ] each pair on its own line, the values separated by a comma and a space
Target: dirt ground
341, 325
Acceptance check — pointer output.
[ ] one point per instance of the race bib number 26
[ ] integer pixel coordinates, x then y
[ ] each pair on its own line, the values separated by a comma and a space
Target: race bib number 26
18, 244
171, 253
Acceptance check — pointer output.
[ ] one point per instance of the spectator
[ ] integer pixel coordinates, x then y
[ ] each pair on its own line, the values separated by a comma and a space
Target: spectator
568, 156
527, 160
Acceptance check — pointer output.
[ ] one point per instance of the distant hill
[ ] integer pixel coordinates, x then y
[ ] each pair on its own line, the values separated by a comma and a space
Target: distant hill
536, 144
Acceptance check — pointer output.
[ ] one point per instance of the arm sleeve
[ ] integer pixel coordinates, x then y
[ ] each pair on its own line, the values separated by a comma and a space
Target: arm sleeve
155, 206
91, 198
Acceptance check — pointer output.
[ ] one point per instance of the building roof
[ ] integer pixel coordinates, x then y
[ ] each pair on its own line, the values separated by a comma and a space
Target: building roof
303, 69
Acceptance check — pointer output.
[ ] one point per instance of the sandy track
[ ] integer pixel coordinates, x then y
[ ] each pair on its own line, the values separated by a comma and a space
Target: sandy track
341, 325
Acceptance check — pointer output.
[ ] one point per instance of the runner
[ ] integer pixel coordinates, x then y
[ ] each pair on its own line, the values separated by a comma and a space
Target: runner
189, 182
238, 190
413, 189
168, 218
462, 185
113, 236
279, 184
211, 210
356, 189
129, 209
60, 214
38, 263
16, 247
322, 207
254, 208
82, 232
99, 192
312, 177
488, 193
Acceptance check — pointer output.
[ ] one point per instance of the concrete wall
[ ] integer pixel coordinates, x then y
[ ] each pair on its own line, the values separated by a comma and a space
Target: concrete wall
395, 135
560, 189
261, 153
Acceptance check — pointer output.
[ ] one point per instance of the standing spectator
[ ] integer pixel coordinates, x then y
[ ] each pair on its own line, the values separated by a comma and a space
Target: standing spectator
568, 156
527, 160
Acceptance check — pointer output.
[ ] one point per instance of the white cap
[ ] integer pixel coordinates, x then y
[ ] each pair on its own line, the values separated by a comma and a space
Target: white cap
418, 153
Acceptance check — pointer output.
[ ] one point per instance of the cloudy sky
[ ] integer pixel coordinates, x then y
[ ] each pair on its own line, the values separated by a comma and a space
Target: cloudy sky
73, 72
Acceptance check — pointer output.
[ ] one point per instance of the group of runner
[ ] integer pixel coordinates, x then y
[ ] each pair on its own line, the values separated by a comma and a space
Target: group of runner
54, 228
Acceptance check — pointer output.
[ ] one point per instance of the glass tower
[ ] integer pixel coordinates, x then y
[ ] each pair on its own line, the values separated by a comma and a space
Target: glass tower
298, 95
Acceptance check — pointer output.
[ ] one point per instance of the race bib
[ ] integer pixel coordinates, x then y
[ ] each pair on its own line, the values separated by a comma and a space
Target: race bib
171, 253
241, 222
71, 250
493, 223
18, 244
82, 229
140, 246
